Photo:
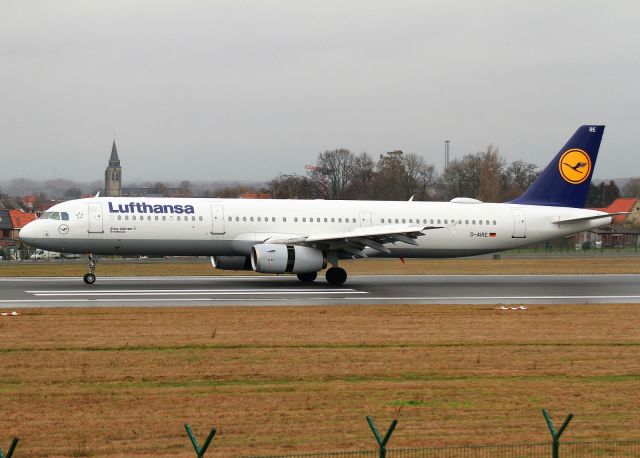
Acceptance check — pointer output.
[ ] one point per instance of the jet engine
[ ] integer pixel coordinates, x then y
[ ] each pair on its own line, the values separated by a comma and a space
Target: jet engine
231, 262
278, 259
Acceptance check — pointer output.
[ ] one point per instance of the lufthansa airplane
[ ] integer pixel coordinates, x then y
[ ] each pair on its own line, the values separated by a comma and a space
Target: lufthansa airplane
304, 236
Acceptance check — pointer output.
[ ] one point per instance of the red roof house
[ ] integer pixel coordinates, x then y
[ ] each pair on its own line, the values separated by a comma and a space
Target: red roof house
621, 204
20, 219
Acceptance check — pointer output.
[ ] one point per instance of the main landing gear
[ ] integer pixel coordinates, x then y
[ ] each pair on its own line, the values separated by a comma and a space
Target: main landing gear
90, 277
335, 276
308, 277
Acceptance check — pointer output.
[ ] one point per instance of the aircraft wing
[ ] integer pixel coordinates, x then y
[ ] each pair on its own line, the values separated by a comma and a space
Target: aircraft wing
356, 240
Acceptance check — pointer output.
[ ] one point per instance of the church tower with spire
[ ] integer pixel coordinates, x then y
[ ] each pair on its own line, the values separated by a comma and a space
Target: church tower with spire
113, 175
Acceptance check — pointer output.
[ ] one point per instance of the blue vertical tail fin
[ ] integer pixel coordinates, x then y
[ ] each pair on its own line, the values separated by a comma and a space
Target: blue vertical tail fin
565, 181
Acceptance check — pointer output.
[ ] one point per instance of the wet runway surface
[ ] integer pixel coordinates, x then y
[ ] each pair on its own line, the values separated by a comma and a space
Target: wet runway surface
286, 290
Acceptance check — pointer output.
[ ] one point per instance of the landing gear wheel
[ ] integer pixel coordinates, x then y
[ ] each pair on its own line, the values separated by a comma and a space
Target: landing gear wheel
308, 277
336, 276
90, 278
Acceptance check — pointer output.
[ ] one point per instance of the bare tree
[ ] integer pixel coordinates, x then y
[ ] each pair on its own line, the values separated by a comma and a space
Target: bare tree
334, 169
462, 177
72, 193
400, 176
517, 178
491, 173
363, 173
390, 175
293, 187
419, 176
186, 189
631, 188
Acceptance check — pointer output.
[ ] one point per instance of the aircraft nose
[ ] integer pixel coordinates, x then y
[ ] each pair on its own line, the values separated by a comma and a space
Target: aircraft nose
28, 233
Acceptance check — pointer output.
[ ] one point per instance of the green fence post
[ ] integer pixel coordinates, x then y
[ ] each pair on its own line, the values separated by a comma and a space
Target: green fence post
556, 434
14, 444
200, 451
382, 443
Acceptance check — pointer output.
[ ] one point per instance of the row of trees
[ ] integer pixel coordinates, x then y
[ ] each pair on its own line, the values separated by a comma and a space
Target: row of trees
341, 174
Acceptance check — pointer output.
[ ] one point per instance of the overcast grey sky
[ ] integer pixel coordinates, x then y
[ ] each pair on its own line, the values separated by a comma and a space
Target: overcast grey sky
248, 89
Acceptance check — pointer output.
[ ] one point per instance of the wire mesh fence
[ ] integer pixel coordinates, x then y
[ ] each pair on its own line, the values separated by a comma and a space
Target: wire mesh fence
352, 454
479, 451
622, 449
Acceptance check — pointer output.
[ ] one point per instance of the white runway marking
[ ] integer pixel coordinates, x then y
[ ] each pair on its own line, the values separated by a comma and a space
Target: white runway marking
196, 292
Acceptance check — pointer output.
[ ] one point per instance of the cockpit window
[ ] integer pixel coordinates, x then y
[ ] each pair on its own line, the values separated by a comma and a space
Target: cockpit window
55, 215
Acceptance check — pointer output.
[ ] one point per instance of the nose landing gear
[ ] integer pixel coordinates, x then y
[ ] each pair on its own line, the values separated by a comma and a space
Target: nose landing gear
90, 277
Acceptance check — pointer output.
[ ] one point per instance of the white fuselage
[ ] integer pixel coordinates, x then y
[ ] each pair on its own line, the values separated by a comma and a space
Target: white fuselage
230, 227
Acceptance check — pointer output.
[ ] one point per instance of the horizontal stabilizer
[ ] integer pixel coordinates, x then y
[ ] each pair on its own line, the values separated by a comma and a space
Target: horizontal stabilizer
589, 218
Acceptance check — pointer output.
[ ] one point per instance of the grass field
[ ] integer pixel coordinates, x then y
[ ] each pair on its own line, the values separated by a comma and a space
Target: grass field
121, 382
585, 265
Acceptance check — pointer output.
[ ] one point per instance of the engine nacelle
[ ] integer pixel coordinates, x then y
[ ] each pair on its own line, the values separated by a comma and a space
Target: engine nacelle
231, 262
278, 259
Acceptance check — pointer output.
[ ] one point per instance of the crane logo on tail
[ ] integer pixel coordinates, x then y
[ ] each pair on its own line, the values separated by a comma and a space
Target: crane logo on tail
575, 166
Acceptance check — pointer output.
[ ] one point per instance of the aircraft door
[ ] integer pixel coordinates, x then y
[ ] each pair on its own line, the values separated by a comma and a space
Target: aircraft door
217, 219
365, 219
95, 218
519, 224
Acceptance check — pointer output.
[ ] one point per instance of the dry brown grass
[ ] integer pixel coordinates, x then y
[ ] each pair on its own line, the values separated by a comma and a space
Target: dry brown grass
575, 264
121, 382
